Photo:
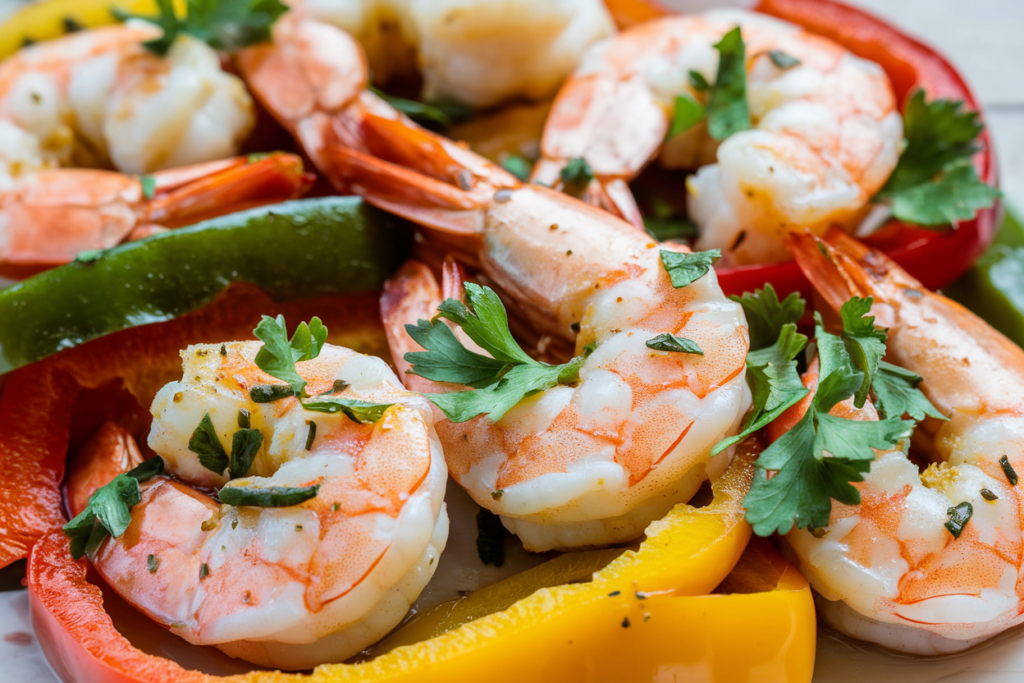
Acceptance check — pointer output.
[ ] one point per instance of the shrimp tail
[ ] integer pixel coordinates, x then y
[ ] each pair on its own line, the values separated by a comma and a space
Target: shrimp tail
203, 191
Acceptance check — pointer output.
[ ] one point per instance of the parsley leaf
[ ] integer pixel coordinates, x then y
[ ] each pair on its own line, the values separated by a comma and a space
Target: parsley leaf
420, 112
363, 412
686, 268
864, 343
279, 355
148, 184
501, 381
520, 167
686, 114
953, 196
205, 443
896, 394
245, 444
670, 228
727, 108
934, 183
109, 510
227, 25
698, 82
670, 342
766, 315
575, 176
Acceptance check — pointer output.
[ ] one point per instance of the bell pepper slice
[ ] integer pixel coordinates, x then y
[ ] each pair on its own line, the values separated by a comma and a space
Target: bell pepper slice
299, 248
639, 617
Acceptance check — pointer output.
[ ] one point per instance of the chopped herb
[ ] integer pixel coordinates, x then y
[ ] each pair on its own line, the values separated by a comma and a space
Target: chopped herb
864, 343
501, 381
988, 495
576, 176
496, 495
335, 507
109, 510
422, 113
205, 443
727, 106
244, 420
227, 25
1011, 474
664, 229
518, 166
267, 496
614, 594
71, 25
959, 515
670, 342
89, 256
782, 59
245, 444
934, 183
223, 349
311, 435
148, 183
363, 412
152, 562
204, 570
698, 82
686, 268
268, 393
686, 114
490, 539
278, 355
766, 315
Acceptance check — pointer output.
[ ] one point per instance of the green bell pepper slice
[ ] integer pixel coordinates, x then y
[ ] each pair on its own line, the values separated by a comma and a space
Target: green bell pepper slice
994, 287
295, 249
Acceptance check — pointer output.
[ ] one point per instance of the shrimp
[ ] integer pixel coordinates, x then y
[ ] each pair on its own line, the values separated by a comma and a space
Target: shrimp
98, 98
826, 132
286, 587
581, 465
478, 52
312, 77
52, 216
887, 570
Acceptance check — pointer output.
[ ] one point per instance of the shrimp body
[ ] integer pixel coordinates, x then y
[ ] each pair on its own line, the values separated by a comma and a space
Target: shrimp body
478, 52
825, 133
98, 97
888, 570
288, 587
573, 465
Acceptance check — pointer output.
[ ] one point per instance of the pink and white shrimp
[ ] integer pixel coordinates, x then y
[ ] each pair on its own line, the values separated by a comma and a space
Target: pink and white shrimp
888, 570
285, 587
825, 133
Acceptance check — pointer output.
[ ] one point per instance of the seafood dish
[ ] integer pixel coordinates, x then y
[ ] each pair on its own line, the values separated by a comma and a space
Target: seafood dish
578, 340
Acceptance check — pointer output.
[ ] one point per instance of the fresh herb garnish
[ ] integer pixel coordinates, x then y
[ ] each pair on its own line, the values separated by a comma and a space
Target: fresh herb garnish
148, 184
227, 25
245, 444
500, 382
685, 268
766, 315
310, 435
109, 510
806, 480
490, 538
423, 113
244, 419
1011, 474
205, 443
670, 228
959, 515
698, 82
686, 114
896, 394
279, 355
670, 342
363, 412
727, 107
152, 563
988, 495
267, 496
268, 393
520, 167
576, 176
782, 59
934, 183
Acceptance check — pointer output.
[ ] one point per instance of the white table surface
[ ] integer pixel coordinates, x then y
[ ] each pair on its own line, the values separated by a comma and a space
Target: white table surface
985, 40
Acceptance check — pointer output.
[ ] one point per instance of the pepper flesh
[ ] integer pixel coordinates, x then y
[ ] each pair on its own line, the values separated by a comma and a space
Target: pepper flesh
299, 248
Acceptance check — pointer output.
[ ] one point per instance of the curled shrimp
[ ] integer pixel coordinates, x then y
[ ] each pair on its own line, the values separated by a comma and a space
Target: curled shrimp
888, 570
286, 587
98, 97
52, 216
478, 52
576, 465
826, 134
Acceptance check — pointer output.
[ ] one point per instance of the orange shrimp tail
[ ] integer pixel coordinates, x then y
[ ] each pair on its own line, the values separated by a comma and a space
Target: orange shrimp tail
110, 451
187, 196
628, 13
412, 294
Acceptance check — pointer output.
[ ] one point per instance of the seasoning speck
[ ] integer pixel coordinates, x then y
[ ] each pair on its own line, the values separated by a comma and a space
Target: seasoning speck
625, 622
1011, 474
152, 562
204, 570
988, 495
496, 495
614, 593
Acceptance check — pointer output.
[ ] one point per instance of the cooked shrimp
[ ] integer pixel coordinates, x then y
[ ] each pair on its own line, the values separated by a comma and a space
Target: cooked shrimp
576, 465
98, 97
478, 52
826, 133
888, 570
51, 216
287, 587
